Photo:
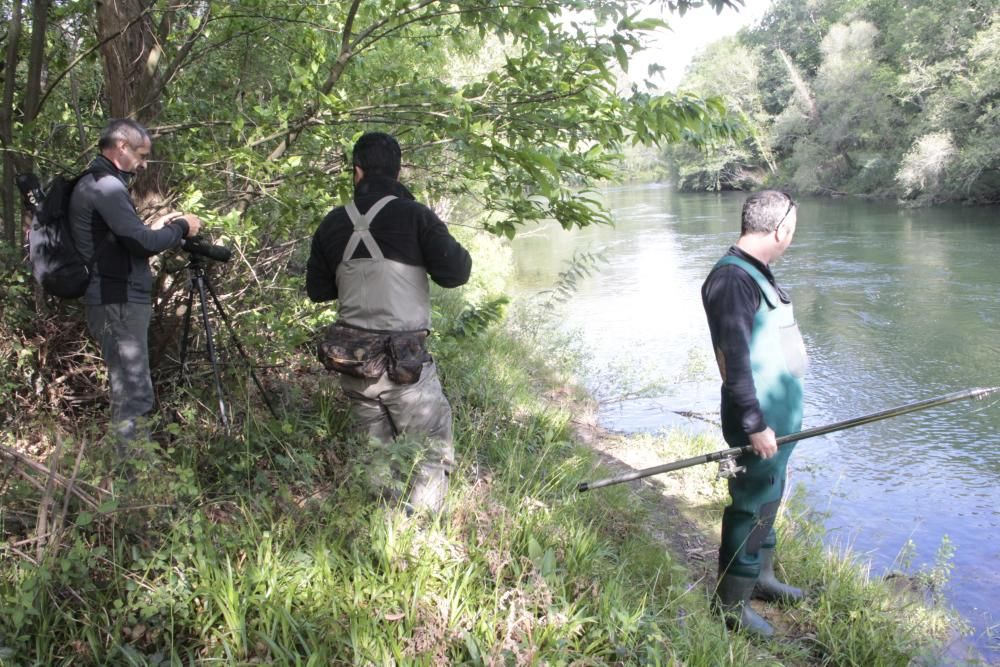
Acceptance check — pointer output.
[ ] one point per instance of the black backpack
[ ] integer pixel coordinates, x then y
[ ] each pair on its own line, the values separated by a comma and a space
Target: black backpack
55, 261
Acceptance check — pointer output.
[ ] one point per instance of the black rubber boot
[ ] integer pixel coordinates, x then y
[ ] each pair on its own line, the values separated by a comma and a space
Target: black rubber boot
768, 587
732, 597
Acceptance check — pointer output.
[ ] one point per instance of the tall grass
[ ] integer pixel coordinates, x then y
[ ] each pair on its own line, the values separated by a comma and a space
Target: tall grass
264, 548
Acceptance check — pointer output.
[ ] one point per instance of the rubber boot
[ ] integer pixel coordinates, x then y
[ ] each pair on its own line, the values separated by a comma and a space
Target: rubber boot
768, 587
732, 597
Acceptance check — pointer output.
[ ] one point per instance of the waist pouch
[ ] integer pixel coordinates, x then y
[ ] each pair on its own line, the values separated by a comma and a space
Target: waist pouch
407, 354
367, 354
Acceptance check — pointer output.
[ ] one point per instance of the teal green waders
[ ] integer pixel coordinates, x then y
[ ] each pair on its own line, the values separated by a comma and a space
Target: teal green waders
778, 360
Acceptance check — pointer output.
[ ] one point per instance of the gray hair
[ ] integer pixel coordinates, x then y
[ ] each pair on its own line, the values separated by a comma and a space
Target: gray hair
125, 129
764, 211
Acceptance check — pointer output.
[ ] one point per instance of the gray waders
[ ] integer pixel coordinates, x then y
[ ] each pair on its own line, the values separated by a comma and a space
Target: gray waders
386, 411
746, 552
378, 294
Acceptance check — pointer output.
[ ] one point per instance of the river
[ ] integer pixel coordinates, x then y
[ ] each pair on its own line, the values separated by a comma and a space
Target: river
895, 305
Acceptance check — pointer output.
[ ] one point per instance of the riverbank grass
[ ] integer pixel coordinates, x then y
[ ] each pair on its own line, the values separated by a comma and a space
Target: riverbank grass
265, 548
849, 617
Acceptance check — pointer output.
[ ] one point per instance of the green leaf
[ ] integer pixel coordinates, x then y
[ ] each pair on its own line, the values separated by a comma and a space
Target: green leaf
548, 565
534, 548
621, 56
107, 506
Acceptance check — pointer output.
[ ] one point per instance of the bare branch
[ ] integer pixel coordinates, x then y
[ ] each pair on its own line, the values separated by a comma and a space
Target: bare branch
30, 464
182, 56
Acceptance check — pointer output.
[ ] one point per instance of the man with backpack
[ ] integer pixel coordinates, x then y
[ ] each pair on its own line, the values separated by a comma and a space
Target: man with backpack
374, 256
117, 245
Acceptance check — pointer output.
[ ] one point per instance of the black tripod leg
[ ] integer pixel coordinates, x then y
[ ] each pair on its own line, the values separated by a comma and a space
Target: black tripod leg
199, 280
239, 347
186, 331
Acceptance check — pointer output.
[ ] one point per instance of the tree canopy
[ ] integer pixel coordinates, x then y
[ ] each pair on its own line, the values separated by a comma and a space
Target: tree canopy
872, 97
254, 105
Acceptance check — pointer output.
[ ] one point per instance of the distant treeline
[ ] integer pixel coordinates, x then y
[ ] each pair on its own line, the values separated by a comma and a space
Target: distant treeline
876, 97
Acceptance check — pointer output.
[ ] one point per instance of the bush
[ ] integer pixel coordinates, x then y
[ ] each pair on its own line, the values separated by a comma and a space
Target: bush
922, 171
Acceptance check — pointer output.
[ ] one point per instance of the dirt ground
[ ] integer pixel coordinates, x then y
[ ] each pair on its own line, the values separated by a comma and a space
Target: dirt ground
677, 516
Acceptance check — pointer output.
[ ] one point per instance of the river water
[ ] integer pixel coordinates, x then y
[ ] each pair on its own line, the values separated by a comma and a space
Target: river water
895, 306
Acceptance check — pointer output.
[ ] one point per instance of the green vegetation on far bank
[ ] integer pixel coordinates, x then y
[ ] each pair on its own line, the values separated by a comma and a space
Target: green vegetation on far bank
863, 97
264, 547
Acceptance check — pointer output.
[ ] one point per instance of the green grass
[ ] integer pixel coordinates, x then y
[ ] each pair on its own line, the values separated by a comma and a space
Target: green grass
263, 548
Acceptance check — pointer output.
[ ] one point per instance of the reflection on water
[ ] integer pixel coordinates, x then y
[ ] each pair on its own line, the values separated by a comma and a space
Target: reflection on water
895, 306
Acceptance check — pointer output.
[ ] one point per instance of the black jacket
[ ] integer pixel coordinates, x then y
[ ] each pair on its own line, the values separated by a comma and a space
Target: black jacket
731, 299
405, 230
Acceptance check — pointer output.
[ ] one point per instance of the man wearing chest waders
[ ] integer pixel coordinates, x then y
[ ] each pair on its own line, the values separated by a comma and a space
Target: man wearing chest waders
374, 256
762, 360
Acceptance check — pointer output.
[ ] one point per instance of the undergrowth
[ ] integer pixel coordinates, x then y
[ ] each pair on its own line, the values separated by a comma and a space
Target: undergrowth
262, 545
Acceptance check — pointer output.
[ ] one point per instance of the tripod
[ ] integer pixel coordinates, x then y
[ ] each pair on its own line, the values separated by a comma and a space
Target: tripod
201, 285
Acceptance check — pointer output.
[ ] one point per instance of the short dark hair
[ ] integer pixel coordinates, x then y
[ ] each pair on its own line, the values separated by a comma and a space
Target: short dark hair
378, 154
123, 128
764, 211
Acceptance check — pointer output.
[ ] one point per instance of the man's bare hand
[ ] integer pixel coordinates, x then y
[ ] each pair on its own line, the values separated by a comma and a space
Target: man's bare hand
193, 221
194, 224
764, 444
164, 220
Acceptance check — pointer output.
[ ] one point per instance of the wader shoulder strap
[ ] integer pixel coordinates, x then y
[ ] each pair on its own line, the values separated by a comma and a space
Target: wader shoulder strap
361, 225
766, 288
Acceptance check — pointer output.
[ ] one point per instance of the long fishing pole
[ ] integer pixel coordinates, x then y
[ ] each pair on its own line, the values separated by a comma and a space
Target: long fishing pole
978, 394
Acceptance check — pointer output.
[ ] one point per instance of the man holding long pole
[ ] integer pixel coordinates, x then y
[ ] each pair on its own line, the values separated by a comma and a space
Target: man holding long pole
761, 360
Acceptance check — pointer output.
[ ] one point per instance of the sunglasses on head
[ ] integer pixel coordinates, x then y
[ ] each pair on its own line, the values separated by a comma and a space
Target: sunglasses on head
791, 205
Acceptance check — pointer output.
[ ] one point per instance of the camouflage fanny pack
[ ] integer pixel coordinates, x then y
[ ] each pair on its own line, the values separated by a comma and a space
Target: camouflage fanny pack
354, 352
367, 354
407, 355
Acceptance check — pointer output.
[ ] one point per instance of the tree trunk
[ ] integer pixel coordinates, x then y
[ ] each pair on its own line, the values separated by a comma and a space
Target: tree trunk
32, 94
7, 124
131, 53
801, 87
129, 56
36, 59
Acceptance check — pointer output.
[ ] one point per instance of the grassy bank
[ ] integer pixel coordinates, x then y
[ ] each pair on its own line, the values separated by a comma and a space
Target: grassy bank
264, 548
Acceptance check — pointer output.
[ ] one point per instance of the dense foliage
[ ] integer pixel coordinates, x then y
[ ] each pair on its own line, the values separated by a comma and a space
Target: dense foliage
876, 97
507, 113
255, 104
